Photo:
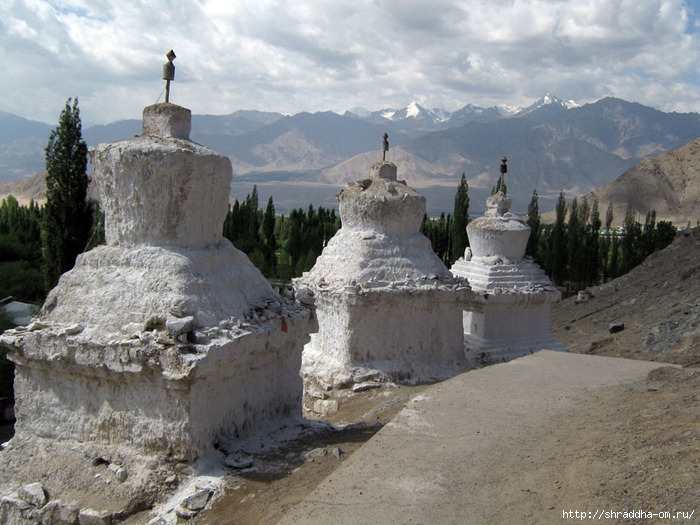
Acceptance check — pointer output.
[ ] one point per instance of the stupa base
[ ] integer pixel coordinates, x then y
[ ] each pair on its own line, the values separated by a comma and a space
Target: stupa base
481, 352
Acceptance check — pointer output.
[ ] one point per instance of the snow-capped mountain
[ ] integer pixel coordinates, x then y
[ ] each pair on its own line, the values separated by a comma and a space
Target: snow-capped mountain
413, 111
551, 101
471, 113
508, 110
553, 146
415, 117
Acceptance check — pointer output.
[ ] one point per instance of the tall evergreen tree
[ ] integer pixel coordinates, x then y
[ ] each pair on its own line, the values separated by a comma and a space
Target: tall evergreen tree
581, 280
67, 218
665, 233
575, 245
614, 261
460, 219
20, 251
648, 239
558, 251
607, 245
438, 231
294, 246
533, 221
593, 244
609, 217
268, 228
631, 249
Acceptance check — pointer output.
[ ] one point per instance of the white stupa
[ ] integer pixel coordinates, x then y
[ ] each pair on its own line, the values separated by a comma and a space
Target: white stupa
388, 309
509, 316
166, 340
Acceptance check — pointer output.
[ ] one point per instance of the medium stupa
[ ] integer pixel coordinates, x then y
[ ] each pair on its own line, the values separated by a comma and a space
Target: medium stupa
388, 309
509, 316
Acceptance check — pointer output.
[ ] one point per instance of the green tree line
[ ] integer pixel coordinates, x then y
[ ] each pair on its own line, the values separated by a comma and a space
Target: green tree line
580, 249
20, 251
281, 246
583, 250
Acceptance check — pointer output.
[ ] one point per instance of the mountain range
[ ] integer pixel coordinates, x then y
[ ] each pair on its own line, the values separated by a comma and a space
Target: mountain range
552, 145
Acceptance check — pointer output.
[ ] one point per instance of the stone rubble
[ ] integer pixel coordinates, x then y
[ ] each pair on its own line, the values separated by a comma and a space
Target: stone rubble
239, 461
616, 327
198, 500
94, 517
326, 407
34, 494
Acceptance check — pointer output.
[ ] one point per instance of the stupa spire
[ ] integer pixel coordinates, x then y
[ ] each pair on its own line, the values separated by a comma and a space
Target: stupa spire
169, 73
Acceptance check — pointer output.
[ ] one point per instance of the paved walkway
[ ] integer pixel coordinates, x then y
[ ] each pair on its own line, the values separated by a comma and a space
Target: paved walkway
438, 461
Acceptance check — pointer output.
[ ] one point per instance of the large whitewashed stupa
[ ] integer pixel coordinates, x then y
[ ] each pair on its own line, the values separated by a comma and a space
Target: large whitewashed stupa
509, 315
167, 339
388, 309
162, 347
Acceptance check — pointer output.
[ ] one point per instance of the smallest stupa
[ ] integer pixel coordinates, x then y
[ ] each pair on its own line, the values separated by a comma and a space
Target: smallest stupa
509, 316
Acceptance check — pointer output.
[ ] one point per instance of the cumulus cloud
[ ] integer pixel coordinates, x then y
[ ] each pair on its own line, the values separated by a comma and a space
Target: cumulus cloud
277, 55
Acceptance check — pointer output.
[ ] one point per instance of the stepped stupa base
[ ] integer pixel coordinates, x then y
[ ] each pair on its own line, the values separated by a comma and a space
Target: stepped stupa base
174, 396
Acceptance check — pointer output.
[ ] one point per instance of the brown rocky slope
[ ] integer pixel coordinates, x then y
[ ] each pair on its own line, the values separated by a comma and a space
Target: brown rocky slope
658, 302
668, 183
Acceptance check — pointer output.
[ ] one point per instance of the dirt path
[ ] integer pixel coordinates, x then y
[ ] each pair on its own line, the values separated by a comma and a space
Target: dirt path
633, 447
281, 479
626, 448
521, 443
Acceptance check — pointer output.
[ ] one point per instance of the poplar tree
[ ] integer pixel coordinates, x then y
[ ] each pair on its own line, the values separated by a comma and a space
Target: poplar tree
609, 243
268, 228
533, 221
67, 218
593, 247
558, 248
460, 219
631, 250
575, 248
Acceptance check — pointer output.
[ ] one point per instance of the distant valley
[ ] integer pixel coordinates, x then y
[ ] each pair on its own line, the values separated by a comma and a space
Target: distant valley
307, 158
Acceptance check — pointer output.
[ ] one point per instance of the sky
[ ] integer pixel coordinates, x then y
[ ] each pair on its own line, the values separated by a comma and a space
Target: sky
321, 55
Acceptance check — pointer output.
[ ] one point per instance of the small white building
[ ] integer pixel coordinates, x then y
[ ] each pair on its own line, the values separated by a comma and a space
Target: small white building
509, 315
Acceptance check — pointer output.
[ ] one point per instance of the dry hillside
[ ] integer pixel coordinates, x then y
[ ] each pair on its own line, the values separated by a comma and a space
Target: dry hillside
25, 190
668, 183
31, 188
658, 302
